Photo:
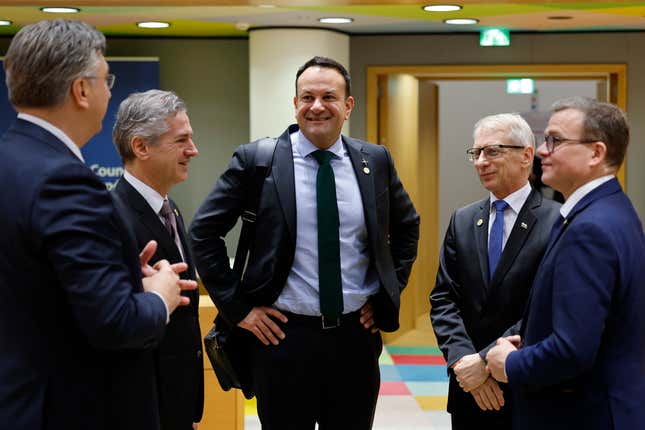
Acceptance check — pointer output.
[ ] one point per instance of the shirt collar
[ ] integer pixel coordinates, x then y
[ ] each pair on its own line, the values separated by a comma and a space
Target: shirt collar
60, 134
154, 199
582, 191
305, 147
516, 199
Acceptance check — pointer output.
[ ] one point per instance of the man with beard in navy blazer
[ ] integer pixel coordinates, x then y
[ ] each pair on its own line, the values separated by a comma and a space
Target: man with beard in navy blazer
581, 356
475, 300
335, 238
75, 316
153, 136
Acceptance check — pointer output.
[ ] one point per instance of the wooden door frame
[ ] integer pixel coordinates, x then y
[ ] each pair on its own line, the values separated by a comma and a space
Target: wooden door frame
614, 74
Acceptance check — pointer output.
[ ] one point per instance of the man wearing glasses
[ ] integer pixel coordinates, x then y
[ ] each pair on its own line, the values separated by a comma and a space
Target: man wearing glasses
487, 264
582, 357
76, 319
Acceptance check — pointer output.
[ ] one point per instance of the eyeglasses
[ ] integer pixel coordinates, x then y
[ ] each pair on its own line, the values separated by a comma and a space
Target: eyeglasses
553, 142
490, 151
109, 79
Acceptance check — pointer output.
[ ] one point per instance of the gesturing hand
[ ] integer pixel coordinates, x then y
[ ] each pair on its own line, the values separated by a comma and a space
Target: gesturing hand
260, 322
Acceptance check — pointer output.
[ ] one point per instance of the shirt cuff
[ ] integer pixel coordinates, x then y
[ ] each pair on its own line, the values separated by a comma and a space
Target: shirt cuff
156, 293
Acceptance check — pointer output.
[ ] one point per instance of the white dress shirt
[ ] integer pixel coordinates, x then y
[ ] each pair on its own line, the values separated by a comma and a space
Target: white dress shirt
515, 202
578, 194
359, 281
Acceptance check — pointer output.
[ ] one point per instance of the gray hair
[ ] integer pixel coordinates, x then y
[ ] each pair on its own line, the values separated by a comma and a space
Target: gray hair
44, 59
602, 121
516, 128
144, 115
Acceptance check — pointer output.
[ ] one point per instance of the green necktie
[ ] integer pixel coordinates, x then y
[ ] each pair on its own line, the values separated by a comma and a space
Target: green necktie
329, 280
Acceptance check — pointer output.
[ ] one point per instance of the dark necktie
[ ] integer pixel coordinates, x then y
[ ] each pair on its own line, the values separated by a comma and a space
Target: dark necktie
496, 238
329, 279
168, 218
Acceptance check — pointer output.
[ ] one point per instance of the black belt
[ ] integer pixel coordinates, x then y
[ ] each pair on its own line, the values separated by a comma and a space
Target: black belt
322, 322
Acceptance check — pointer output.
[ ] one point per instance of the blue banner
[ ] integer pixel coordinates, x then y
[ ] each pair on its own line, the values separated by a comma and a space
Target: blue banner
132, 75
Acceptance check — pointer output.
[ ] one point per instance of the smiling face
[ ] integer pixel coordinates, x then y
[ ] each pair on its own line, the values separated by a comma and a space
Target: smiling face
321, 105
571, 163
506, 173
170, 154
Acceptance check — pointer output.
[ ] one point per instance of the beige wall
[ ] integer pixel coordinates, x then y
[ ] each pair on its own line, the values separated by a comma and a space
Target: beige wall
463, 49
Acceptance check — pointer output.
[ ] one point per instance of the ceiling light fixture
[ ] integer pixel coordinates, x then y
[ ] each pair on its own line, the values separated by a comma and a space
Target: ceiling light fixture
153, 24
60, 9
461, 21
441, 8
560, 17
336, 20
266, 6
5, 22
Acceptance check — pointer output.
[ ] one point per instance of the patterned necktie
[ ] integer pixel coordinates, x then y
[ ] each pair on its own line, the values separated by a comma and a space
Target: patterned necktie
169, 218
496, 237
329, 279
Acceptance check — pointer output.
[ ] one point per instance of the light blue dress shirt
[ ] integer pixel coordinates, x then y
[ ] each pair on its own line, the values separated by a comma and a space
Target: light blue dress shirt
359, 280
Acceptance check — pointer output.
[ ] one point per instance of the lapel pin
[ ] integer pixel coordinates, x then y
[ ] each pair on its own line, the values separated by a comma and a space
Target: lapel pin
565, 222
366, 169
480, 222
524, 226
176, 212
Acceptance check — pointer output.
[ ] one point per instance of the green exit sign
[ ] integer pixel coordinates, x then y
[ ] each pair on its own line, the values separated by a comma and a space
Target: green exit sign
495, 37
520, 86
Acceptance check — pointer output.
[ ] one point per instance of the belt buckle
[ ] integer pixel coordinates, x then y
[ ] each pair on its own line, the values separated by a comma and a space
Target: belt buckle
326, 325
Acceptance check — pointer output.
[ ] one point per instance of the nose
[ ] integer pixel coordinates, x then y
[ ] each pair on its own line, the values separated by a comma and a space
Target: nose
317, 105
191, 150
481, 159
542, 151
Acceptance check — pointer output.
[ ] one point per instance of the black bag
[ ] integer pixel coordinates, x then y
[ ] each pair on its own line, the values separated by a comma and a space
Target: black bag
228, 353
227, 347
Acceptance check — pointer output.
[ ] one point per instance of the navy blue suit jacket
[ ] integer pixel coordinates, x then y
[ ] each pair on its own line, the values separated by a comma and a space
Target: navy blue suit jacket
71, 299
582, 364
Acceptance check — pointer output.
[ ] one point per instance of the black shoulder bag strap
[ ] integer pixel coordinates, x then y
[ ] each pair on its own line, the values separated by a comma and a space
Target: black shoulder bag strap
258, 171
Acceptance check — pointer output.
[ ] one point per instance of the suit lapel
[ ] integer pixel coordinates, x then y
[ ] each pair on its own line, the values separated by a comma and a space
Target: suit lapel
480, 226
361, 159
521, 230
148, 219
283, 177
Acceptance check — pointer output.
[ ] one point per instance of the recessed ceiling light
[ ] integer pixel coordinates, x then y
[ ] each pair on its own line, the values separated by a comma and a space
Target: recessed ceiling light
5, 22
153, 24
441, 8
60, 9
461, 21
560, 17
266, 6
336, 20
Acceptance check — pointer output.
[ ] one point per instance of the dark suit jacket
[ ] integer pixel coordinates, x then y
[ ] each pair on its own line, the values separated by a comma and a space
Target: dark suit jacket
582, 363
392, 226
178, 359
71, 298
468, 312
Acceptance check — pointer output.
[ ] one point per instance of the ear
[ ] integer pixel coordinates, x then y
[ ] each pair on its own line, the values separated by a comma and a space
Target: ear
349, 106
79, 93
599, 153
527, 156
140, 148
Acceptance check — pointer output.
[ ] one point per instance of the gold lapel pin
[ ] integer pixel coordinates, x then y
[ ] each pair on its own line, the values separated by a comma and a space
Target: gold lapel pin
565, 222
366, 169
524, 226
480, 222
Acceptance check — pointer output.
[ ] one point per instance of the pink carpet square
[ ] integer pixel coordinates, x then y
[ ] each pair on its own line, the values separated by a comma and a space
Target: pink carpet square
394, 388
436, 360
